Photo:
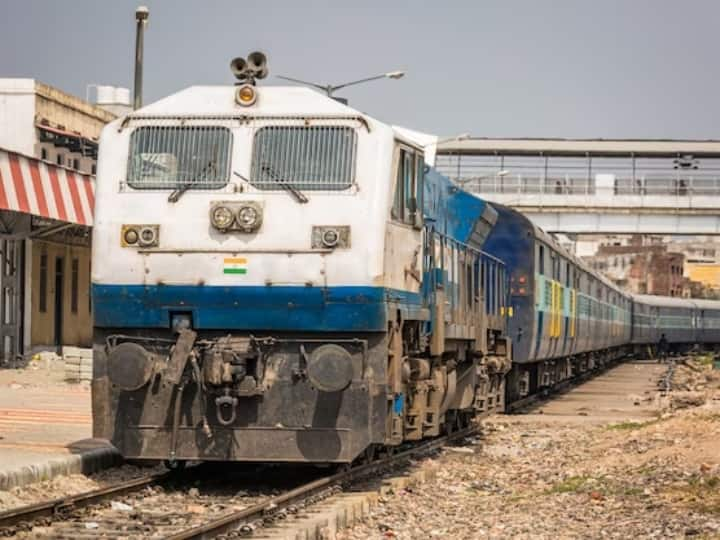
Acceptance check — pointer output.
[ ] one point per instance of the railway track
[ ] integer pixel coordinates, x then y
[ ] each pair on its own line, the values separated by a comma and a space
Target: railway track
141, 508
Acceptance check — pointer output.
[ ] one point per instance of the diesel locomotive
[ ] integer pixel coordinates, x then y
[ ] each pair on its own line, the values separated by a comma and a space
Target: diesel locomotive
278, 277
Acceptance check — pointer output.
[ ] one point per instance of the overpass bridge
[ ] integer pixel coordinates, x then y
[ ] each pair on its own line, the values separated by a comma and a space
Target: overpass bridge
596, 186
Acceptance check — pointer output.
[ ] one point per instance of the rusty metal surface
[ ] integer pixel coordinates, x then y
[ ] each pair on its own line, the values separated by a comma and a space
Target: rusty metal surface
248, 399
180, 355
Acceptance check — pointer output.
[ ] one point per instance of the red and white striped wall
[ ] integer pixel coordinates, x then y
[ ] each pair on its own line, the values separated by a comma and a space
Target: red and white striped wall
35, 187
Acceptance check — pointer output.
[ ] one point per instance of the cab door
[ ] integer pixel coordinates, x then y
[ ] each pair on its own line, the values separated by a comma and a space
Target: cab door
404, 236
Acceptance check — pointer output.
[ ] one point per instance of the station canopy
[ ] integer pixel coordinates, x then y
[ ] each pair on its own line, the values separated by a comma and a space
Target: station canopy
39, 188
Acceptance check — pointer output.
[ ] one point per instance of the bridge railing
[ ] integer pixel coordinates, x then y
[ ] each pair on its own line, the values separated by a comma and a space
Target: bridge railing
687, 186
583, 176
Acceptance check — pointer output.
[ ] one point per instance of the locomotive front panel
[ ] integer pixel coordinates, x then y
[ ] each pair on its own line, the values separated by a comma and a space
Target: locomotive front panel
240, 310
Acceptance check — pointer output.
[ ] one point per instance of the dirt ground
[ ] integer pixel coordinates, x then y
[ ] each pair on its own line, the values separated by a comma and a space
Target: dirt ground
39, 374
538, 476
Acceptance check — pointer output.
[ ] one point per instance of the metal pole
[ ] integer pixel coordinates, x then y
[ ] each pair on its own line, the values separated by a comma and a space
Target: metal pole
141, 16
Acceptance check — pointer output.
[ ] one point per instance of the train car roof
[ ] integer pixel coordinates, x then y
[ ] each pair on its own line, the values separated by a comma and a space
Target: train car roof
703, 303
540, 234
663, 301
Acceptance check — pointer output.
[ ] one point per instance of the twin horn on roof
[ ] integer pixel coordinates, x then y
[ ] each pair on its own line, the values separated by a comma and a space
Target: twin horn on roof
255, 67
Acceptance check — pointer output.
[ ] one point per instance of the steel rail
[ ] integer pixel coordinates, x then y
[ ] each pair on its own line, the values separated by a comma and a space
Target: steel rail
261, 511
56, 507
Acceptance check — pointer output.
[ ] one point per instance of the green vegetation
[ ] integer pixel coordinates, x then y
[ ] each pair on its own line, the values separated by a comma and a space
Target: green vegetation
701, 494
705, 359
628, 426
569, 485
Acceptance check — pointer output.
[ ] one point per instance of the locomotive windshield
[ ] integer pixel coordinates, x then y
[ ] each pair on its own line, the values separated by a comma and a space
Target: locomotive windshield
304, 157
177, 157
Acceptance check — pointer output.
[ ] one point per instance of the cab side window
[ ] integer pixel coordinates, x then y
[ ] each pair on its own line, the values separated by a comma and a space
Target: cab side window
407, 203
408, 180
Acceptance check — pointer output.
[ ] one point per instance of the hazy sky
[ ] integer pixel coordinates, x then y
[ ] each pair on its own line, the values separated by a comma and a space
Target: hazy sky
571, 68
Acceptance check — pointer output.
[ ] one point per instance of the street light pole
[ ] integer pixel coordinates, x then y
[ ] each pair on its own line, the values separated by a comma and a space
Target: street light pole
141, 16
329, 89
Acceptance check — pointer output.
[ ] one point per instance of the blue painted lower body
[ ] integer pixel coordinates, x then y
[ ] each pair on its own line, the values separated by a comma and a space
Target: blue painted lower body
317, 309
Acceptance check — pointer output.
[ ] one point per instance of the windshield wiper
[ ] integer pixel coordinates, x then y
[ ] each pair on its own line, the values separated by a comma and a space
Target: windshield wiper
295, 192
175, 195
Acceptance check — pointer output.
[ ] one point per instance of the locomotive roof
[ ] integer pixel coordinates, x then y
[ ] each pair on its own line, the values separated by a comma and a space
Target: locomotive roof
271, 101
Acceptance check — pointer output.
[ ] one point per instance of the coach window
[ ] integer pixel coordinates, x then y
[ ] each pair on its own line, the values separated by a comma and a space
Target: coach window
541, 259
407, 204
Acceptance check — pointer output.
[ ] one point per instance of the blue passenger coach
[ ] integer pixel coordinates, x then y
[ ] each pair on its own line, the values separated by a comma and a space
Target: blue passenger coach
563, 318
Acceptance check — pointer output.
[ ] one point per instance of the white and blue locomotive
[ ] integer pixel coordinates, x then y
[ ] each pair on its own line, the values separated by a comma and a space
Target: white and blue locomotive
278, 277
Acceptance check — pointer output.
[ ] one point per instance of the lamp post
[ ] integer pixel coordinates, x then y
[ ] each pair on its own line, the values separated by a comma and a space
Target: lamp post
141, 17
329, 89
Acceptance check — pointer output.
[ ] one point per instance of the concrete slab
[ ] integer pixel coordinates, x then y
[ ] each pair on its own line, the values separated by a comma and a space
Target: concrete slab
627, 392
45, 427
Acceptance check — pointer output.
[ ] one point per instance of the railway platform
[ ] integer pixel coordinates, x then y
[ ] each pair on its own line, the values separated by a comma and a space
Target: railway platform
46, 427
626, 392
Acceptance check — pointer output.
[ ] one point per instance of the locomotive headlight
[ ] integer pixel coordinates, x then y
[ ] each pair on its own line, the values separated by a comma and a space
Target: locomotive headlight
236, 216
148, 235
330, 237
131, 236
249, 217
221, 217
245, 95
143, 236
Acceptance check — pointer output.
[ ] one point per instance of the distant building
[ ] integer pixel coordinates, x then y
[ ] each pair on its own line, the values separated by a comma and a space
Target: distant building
40, 121
643, 269
48, 152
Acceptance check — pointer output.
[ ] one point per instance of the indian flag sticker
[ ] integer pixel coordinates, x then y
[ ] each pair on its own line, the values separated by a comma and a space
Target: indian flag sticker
235, 265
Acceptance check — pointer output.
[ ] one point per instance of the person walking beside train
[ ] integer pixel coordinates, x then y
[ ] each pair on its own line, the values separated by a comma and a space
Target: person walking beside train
662, 349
